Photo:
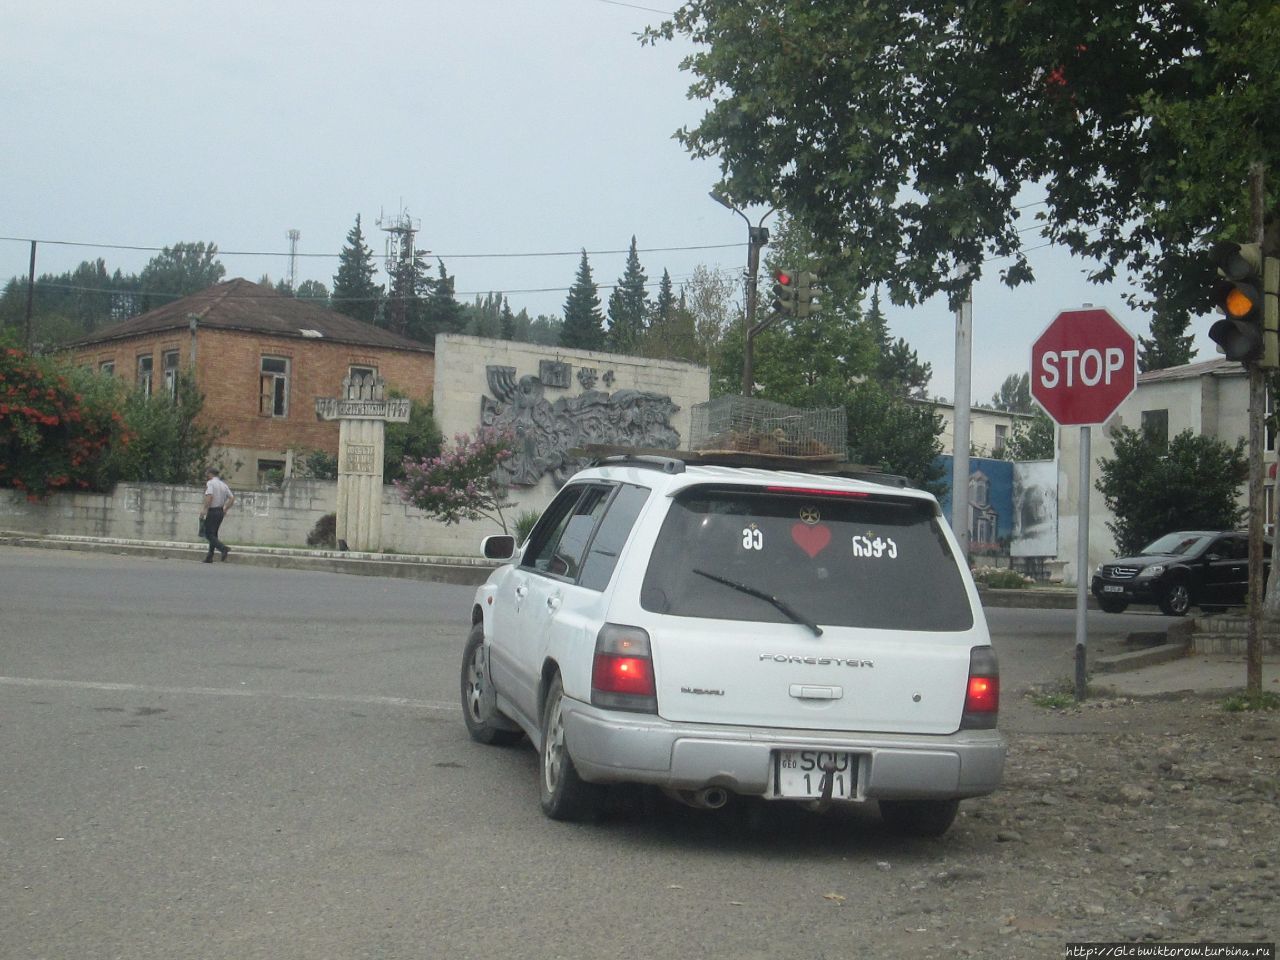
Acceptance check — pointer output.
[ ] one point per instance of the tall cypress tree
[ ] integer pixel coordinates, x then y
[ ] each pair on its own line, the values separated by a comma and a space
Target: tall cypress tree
628, 306
1169, 345
439, 311
583, 324
354, 292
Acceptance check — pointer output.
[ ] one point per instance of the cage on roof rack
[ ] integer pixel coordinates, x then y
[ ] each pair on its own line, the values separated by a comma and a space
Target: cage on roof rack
752, 425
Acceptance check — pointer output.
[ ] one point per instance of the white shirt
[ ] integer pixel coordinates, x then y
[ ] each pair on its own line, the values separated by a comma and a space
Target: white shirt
218, 491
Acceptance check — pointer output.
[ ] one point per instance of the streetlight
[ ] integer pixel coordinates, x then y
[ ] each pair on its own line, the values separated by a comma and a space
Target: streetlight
757, 237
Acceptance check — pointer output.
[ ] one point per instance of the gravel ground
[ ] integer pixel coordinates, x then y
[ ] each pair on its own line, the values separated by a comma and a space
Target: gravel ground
1119, 819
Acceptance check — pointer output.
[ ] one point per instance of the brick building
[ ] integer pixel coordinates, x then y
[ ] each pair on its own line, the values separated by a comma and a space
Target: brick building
261, 359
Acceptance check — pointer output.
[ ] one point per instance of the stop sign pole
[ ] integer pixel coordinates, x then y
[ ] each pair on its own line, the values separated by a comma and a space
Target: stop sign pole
1083, 366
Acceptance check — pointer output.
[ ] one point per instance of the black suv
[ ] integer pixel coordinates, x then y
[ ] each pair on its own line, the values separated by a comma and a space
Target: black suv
1191, 568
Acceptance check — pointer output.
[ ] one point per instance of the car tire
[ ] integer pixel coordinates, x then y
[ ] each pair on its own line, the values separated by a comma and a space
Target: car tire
485, 723
919, 818
562, 793
1112, 605
1175, 599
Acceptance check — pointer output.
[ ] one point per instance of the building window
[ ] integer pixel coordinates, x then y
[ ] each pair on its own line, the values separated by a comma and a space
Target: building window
1155, 423
273, 387
356, 372
144, 374
270, 473
1002, 438
107, 368
169, 361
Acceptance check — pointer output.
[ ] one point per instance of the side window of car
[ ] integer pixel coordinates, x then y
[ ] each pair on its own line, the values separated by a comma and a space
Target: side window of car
549, 528
612, 535
569, 534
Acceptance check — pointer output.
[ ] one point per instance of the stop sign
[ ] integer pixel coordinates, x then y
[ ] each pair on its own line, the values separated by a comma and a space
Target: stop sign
1083, 366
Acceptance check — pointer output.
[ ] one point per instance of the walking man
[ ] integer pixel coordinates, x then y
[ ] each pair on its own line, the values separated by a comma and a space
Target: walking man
218, 499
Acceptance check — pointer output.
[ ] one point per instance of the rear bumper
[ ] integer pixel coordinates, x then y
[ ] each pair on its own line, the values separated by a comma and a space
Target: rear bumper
609, 746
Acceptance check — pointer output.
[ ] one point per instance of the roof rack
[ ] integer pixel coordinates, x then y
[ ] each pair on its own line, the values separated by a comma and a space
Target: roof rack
670, 465
675, 461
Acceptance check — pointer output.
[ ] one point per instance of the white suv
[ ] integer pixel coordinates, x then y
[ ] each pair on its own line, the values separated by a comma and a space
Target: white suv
718, 630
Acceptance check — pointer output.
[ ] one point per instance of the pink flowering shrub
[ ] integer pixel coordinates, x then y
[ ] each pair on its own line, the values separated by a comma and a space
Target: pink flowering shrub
459, 484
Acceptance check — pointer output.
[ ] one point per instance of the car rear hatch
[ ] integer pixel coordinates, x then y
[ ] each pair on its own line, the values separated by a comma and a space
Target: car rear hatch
804, 608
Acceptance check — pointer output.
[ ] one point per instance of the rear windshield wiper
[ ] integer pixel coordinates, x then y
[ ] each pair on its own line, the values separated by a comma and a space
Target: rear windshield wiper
782, 605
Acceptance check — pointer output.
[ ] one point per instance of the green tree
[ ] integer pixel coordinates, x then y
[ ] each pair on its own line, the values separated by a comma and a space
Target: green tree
628, 306
170, 442
484, 316
507, 328
1014, 395
670, 333
583, 325
898, 367
1030, 441
904, 131
441, 312
354, 291
895, 435
313, 291
1169, 344
179, 271
417, 440
1153, 488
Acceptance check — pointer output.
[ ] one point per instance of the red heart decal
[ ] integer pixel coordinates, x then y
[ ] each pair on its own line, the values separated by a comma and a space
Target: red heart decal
812, 540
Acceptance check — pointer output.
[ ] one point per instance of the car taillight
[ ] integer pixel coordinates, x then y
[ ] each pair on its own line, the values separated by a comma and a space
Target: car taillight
622, 672
982, 696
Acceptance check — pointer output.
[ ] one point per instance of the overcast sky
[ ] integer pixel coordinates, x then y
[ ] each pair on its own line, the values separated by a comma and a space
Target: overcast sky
511, 130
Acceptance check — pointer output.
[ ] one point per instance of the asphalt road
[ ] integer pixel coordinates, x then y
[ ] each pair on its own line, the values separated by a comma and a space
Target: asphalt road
216, 761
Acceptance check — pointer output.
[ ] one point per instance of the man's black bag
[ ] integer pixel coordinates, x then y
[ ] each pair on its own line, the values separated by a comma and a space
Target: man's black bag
202, 527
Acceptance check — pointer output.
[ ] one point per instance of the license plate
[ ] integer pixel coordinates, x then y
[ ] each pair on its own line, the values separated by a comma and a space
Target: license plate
797, 774
1111, 588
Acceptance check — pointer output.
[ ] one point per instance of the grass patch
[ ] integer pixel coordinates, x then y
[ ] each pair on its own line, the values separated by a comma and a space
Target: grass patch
1242, 702
1053, 701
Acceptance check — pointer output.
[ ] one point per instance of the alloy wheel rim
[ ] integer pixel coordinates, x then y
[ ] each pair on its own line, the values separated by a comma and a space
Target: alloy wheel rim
553, 749
475, 684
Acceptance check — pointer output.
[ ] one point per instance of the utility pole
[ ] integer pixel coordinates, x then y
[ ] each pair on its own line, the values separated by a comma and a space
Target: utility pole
757, 237
31, 293
1257, 414
960, 445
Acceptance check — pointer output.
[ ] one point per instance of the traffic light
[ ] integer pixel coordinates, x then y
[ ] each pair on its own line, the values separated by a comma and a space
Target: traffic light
784, 292
805, 292
1238, 294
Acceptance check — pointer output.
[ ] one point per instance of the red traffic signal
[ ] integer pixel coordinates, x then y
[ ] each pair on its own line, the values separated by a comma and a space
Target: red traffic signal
784, 293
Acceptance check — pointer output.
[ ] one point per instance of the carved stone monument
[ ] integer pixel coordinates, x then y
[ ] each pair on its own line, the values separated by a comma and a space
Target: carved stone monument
363, 413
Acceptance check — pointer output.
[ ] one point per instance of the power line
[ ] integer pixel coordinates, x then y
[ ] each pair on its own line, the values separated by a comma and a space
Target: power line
636, 6
334, 256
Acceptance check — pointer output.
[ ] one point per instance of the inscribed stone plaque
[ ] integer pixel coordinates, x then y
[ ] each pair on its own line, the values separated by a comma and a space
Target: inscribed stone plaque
553, 373
359, 458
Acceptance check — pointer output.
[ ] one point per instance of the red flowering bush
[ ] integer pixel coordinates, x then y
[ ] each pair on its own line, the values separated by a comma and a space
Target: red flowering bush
460, 484
52, 436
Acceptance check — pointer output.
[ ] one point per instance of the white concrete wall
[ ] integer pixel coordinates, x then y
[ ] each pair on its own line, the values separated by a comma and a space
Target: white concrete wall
461, 382
278, 518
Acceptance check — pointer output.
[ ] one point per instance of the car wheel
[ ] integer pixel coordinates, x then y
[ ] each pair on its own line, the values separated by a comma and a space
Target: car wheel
919, 818
1112, 605
1175, 599
563, 794
479, 701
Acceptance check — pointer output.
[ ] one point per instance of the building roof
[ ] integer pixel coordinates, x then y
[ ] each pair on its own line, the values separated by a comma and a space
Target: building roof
250, 307
1190, 371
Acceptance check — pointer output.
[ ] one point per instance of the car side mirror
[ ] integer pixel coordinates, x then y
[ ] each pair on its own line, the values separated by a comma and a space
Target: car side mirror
501, 546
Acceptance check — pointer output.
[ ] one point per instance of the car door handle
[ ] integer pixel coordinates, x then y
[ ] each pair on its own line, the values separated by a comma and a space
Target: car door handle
521, 592
553, 602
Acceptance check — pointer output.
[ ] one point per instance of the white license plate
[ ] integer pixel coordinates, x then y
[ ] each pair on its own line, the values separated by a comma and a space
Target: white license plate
1111, 588
797, 774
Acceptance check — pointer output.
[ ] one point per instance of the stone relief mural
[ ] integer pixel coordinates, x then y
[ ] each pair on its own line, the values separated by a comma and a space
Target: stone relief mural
547, 430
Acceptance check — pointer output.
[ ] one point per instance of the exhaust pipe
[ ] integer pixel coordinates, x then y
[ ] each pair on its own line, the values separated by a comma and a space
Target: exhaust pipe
708, 798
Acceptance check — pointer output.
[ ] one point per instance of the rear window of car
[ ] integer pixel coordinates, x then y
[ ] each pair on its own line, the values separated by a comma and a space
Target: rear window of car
857, 561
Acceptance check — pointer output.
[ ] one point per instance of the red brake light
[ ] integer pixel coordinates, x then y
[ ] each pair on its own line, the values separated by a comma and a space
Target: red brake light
983, 695
630, 676
982, 692
622, 671
818, 492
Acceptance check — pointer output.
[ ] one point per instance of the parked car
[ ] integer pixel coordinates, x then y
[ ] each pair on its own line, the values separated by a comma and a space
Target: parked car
718, 631
1190, 568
